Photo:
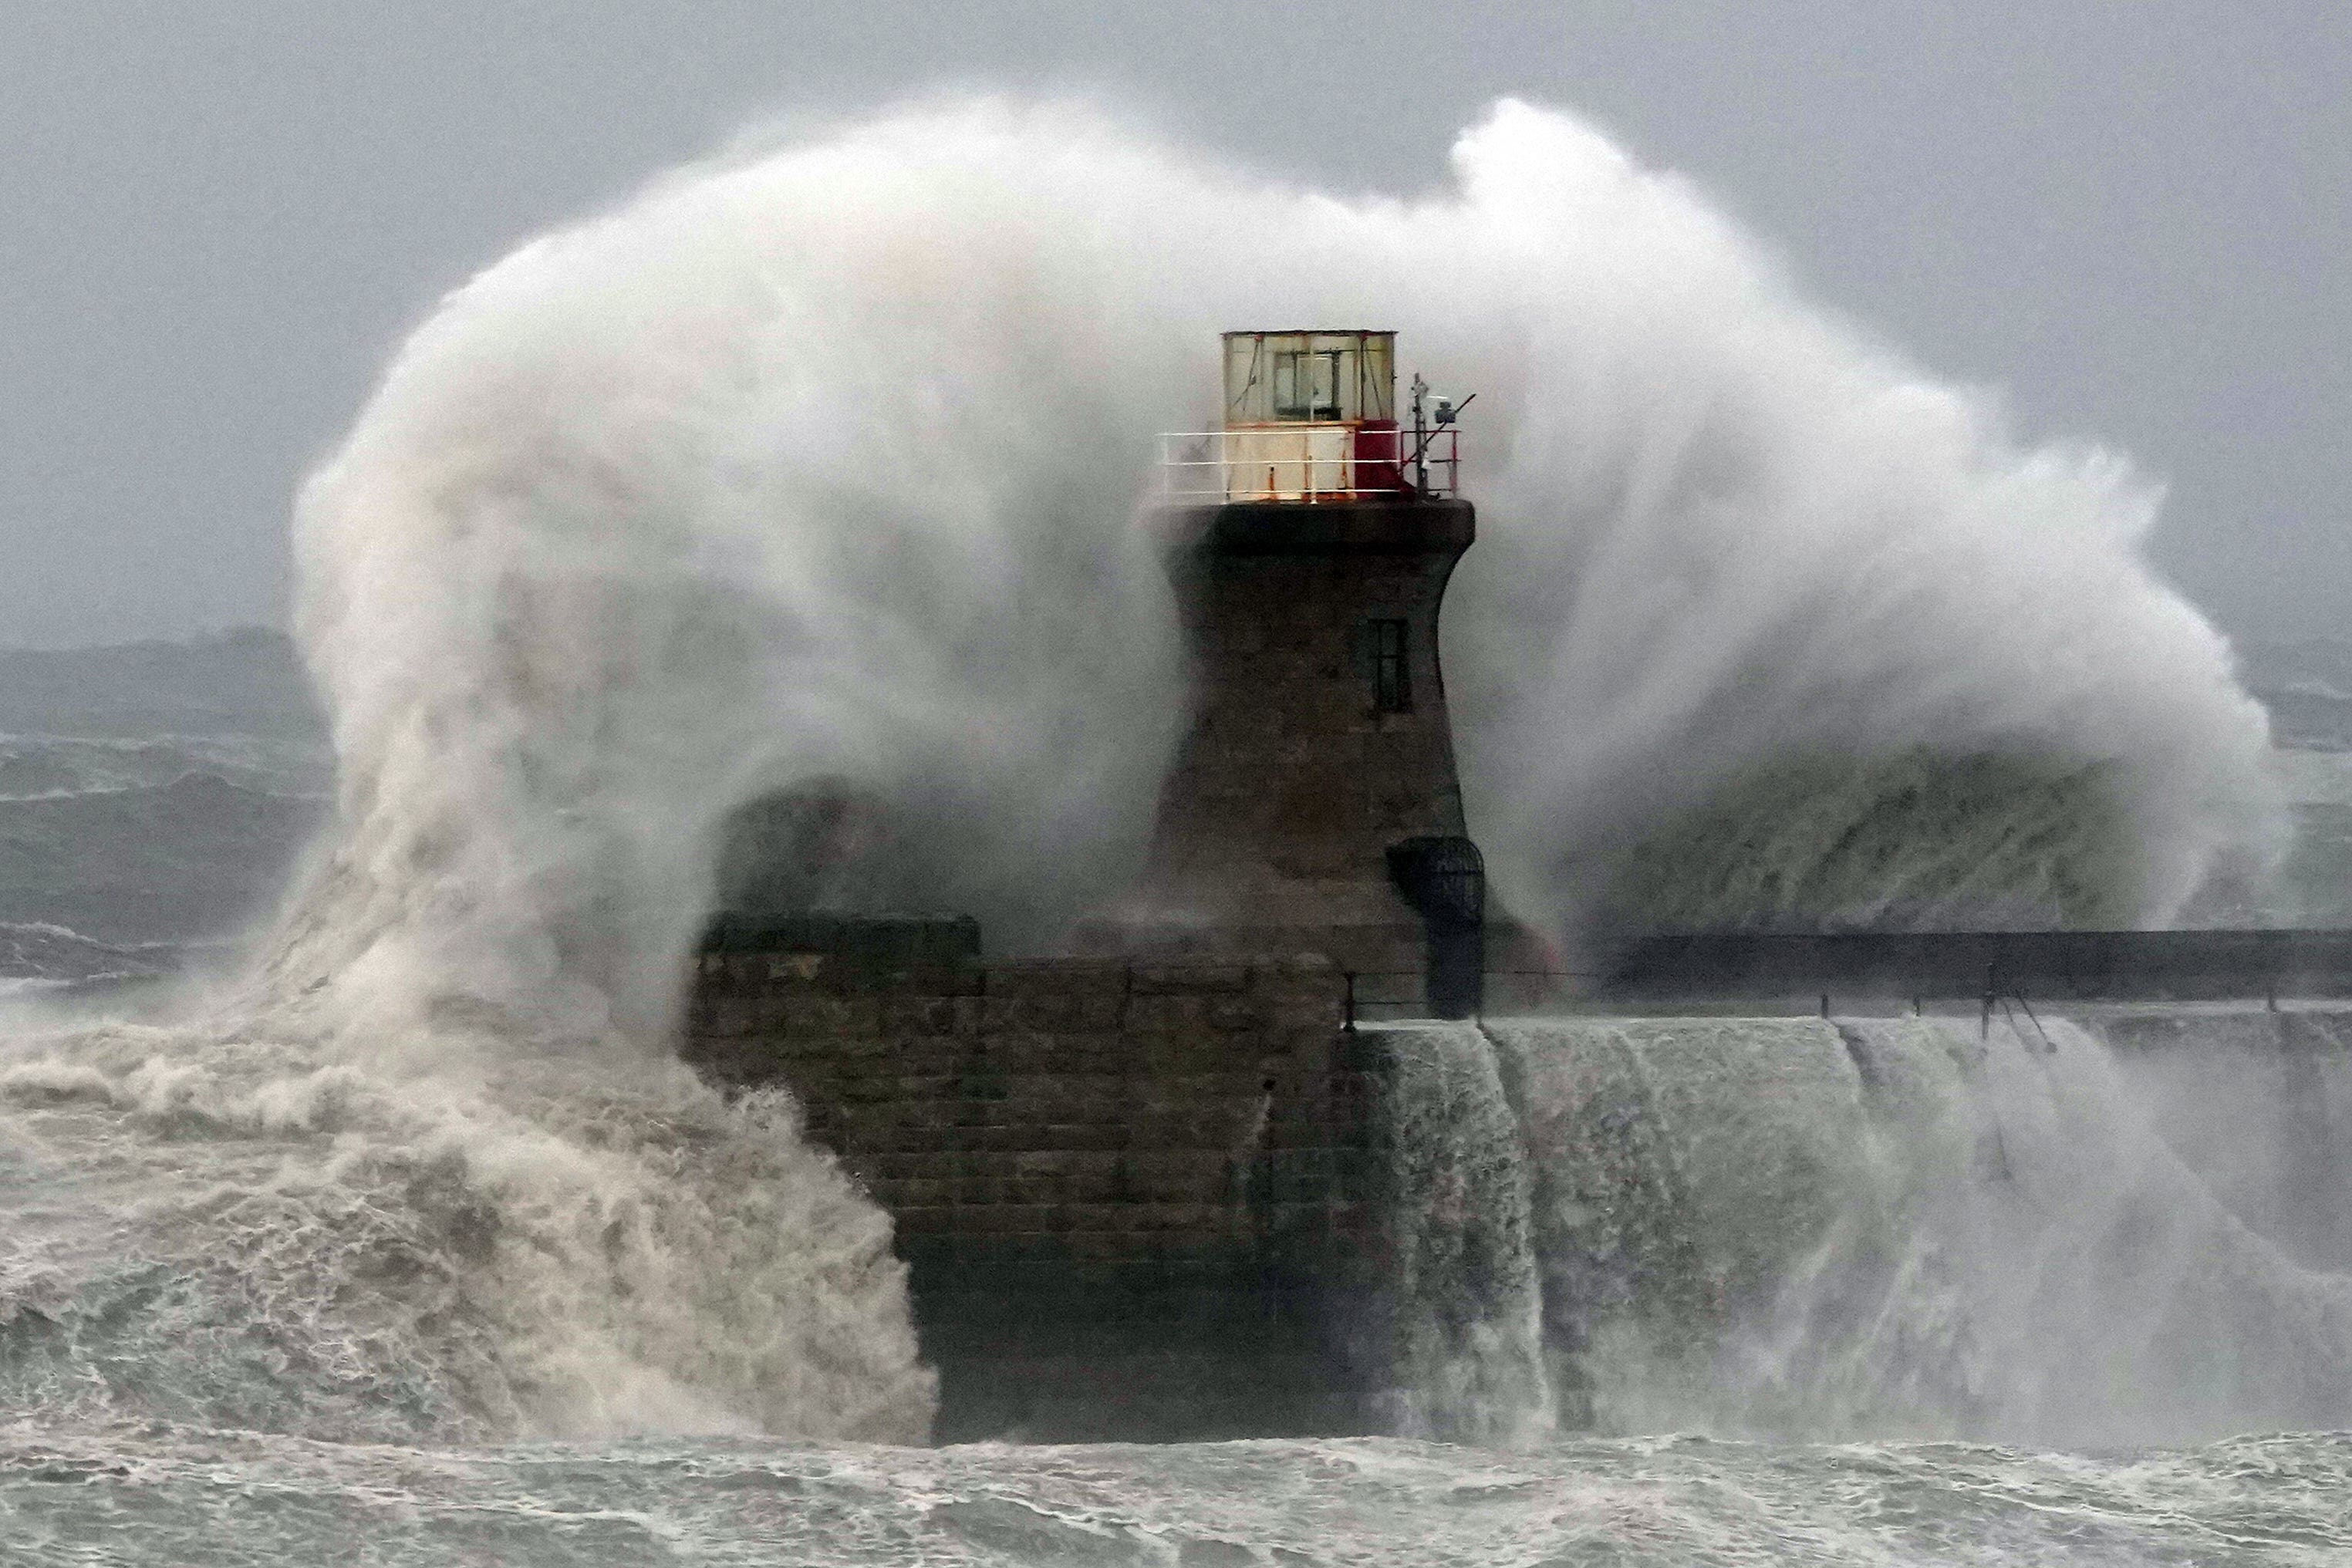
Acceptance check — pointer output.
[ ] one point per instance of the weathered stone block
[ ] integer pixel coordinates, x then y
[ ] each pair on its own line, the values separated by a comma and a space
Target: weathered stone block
1098, 1137
1193, 1218
944, 980
1189, 980
838, 1017
1086, 1053
1059, 978
1232, 1013
917, 1015
862, 1091
1034, 1189
931, 1055
914, 1192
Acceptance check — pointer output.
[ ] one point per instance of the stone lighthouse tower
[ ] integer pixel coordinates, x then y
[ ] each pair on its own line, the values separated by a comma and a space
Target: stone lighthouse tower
1313, 806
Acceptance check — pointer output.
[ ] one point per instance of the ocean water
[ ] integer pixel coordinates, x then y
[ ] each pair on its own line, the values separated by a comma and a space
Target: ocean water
154, 801
1772, 1291
389, 1231
160, 1495
1731, 1290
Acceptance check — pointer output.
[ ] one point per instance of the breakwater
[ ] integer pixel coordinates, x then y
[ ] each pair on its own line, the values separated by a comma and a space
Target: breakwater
1135, 1198
1180, 1200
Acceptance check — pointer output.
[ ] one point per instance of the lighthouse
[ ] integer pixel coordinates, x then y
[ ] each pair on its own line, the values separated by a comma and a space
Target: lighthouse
1139, 1186
1314, 805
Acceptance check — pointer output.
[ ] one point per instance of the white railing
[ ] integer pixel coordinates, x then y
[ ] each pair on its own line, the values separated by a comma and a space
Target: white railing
1307, 462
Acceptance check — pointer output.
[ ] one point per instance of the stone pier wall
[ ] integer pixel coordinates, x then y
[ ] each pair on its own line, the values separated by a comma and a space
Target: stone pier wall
1136, 1198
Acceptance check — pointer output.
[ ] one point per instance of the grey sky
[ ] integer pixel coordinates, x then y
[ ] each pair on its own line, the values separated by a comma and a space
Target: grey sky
217, 218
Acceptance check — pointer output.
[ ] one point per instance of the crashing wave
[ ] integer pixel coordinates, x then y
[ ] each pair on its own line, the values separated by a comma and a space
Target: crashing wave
819, 467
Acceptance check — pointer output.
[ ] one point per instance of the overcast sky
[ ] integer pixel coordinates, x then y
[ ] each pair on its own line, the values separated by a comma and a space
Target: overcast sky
218, 216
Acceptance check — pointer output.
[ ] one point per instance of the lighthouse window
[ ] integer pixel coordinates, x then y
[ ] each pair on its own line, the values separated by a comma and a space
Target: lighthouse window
1391, 677
1306, 384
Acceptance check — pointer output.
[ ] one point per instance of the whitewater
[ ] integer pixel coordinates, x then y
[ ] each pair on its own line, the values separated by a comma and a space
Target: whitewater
825, 466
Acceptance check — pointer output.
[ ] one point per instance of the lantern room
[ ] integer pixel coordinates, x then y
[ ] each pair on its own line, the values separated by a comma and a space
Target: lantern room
1310, 378
1309, 417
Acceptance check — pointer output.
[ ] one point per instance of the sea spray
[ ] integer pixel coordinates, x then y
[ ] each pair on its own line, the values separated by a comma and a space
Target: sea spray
1669, 1192
1465, 1351
2259, 1104
828, 464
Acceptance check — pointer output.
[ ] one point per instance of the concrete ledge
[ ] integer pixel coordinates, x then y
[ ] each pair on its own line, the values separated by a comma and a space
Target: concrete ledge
2075, 965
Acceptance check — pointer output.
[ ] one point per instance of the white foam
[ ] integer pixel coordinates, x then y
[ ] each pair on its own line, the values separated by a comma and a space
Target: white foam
1796, 1230
824, 462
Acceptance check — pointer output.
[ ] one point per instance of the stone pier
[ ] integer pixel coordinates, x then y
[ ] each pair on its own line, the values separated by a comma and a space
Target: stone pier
1136, 1198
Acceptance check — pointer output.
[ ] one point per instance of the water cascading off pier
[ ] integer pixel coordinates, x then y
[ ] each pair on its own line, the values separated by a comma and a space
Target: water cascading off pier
2051, 1233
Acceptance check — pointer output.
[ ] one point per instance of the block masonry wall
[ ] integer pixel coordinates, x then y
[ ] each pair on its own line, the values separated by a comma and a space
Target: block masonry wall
1137, 1199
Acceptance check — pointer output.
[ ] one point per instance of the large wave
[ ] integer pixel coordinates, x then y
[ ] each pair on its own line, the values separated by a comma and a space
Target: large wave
822, 469
825, 462
230, 1225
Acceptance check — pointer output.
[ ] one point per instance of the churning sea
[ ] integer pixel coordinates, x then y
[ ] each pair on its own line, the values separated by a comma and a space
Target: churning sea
2006, 1322
163, 1495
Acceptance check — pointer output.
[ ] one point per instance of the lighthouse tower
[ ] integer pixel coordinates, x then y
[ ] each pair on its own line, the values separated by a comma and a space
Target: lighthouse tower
1313, 806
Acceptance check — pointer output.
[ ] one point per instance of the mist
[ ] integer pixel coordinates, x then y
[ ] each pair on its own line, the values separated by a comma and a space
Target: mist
831, 460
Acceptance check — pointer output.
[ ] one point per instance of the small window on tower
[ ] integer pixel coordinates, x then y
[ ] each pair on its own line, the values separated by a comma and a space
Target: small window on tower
1391, 677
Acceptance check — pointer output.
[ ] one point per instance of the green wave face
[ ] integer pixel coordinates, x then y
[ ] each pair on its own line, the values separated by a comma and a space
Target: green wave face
1917, 840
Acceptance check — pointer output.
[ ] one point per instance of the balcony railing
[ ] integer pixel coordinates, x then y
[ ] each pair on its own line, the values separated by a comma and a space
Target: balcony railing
1307, 464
